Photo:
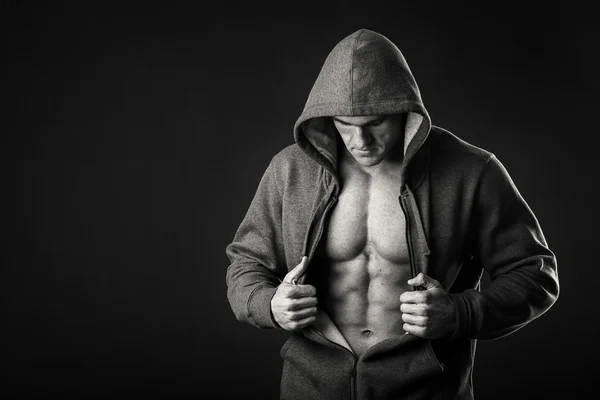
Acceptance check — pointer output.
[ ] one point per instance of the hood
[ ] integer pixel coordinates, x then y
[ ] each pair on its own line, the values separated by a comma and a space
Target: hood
364, 74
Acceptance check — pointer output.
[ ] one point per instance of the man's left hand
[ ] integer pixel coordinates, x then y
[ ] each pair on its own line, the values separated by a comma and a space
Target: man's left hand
428, 313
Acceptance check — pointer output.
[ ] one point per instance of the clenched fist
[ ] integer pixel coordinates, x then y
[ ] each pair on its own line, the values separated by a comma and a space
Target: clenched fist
294, 306
427, 313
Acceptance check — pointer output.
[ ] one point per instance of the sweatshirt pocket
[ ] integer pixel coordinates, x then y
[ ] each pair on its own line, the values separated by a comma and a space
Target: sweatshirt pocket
410, 370
314, 371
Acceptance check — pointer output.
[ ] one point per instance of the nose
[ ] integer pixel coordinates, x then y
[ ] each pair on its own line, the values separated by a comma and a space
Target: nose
362, 138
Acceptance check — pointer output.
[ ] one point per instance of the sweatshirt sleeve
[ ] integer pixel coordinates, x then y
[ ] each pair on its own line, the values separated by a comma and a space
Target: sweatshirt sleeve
511, 247
256, 256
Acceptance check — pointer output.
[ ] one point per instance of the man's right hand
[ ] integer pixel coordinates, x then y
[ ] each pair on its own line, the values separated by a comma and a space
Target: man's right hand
294, 306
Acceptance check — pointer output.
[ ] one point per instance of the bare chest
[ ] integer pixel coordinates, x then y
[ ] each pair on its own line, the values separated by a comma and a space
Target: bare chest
367, 220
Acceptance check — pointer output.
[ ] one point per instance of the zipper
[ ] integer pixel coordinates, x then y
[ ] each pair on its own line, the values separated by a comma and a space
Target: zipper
321, 226
409, 242
353, 375
353, 383
312, 250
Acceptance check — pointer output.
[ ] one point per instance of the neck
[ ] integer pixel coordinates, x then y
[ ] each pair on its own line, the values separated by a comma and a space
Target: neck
387, 167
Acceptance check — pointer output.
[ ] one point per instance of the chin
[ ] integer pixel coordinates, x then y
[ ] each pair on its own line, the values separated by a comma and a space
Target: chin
368, 161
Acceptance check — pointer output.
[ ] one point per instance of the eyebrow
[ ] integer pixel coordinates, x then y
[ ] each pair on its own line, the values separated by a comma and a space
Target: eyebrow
366, 123
340, 121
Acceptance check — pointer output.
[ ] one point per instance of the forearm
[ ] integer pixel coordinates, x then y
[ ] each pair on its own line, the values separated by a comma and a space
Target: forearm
250, 288
512, 300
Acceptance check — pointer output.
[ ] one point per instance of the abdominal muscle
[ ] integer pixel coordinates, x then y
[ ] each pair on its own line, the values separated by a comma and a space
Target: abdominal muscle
363, 299
362, 267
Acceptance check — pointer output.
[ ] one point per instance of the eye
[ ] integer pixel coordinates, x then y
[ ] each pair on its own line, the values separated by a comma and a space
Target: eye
376, 122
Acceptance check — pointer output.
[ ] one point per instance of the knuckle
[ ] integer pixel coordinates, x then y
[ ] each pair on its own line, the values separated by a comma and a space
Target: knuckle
287, 303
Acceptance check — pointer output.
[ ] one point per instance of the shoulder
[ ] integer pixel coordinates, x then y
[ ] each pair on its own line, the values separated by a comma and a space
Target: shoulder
447, 150
292, 168
289, 153
293, 158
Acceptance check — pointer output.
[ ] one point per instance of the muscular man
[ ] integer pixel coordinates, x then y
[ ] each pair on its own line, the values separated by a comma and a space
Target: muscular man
367, 239
364, 255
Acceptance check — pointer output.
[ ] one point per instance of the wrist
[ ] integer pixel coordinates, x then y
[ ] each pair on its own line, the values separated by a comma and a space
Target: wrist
277, 325
452, 320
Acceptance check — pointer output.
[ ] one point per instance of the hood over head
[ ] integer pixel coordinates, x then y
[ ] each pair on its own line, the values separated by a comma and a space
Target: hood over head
364, 74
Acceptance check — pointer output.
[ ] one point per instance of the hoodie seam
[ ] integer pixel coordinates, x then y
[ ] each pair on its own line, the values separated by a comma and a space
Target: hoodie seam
352, 72
249, 309
277, 185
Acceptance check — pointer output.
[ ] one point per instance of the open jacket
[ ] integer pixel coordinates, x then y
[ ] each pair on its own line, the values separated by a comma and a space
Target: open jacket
464, 215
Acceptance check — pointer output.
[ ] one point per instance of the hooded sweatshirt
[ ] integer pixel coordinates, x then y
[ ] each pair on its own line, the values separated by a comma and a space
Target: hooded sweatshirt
464, 216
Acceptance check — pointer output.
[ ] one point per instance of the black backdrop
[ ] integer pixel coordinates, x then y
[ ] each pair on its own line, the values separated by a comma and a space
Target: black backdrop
136, 135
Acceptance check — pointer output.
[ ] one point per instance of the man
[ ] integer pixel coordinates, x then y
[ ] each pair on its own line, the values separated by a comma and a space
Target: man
368, 237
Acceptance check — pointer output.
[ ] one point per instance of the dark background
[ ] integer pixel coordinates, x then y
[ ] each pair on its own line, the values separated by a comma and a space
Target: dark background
136, 135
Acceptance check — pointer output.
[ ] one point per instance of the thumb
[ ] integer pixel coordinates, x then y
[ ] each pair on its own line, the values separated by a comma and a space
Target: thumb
297, 272
425, 281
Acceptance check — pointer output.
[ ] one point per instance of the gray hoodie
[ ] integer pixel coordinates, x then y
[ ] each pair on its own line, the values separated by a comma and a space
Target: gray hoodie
464, 215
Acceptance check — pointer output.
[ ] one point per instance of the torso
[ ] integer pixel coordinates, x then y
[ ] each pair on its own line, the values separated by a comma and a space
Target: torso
362, 263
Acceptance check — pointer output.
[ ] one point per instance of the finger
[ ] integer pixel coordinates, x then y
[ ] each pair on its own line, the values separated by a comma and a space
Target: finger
414, 330
414, 309
298, 291
297, 272
425, 281
303, 314
303, 302
413, 297
305, 322
414, 319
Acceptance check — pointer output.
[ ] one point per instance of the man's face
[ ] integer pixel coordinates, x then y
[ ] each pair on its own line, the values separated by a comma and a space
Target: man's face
371, 139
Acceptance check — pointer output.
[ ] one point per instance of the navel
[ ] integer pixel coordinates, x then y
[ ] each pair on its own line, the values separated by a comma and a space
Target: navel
367, 333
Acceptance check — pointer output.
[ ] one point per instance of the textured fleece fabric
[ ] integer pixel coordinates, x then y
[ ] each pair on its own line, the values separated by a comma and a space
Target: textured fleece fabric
464, 215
